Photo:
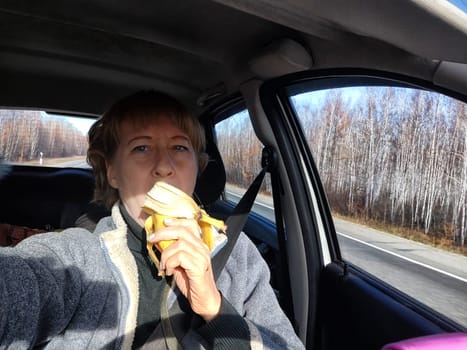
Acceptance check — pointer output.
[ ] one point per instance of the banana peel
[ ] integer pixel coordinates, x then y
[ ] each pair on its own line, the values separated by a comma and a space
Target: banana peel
165, 201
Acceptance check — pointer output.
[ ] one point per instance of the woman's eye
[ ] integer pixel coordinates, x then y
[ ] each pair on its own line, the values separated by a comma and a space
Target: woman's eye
180, 148
142, 148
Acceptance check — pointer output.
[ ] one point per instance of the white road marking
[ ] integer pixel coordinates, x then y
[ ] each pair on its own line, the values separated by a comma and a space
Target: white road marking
405, 258
232, 194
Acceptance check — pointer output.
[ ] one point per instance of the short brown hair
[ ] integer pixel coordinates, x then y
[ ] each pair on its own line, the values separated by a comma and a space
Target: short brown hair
140, 108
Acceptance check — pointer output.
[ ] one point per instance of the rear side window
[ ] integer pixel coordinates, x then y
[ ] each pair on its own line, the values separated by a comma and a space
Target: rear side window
241, 152
38, 138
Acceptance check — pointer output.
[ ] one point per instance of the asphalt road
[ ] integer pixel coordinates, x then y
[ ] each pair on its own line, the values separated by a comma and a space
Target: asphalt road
435, 277
78, 163
69, 162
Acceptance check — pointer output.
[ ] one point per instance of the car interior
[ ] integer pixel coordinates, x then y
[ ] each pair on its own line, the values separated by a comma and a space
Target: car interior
219, 57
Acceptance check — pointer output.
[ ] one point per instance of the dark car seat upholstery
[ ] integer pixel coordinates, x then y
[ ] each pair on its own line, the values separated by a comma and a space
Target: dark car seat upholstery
46, 199
211, 182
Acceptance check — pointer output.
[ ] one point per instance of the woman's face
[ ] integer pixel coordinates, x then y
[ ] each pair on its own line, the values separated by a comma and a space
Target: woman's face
147, 154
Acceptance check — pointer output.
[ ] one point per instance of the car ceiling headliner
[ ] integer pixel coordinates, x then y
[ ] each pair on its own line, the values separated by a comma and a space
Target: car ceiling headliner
80, 55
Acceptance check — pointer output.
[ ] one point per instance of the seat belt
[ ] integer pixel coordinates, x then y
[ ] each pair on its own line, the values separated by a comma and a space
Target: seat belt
236, 221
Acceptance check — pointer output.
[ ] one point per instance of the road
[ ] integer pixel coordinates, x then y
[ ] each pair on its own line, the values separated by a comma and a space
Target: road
74, 163
68, 162
430, 275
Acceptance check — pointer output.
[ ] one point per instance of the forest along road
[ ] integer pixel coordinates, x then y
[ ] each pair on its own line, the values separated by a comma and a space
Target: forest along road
435, 277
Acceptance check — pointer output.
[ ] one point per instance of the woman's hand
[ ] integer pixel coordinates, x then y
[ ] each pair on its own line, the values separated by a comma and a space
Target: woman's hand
189, 261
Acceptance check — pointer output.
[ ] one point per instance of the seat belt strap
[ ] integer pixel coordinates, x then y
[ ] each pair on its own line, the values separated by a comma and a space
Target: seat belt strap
236, 221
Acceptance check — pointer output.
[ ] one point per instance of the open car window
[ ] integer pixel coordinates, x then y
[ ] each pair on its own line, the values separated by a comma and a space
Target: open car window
393, 164
38, 138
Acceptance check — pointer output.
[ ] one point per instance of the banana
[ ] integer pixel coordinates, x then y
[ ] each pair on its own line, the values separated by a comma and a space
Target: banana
165, 201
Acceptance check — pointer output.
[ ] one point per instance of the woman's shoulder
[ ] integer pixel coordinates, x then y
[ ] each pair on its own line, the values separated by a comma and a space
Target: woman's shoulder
244, 247
245, 257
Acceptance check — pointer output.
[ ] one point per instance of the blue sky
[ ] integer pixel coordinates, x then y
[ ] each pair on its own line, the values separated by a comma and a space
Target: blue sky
462, 4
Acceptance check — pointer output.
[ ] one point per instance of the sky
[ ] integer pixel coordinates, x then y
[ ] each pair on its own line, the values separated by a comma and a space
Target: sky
82, 124
462, 4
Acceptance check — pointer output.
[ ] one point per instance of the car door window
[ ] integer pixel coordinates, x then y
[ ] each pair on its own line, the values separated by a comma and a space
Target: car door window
393, 162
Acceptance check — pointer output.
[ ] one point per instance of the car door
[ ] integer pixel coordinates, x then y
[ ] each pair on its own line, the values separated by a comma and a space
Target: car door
372, 160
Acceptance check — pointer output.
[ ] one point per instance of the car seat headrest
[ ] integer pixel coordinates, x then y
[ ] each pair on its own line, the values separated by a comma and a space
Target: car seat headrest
211, 181
45, 198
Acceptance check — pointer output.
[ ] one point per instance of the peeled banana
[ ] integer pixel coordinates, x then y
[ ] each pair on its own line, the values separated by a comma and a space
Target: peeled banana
165, 201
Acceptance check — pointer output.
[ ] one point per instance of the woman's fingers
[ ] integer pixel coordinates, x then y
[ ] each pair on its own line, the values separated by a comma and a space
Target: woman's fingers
193, 275
193, 258
191, 224
188, 259
174, 229
188, 250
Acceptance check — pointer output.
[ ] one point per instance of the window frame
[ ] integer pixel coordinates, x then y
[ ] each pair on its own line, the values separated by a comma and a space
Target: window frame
274, 95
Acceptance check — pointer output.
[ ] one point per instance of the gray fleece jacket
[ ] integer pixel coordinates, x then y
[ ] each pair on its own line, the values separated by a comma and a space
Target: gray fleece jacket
79, 290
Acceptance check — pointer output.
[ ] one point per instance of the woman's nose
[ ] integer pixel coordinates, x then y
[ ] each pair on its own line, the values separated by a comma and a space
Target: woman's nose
163, 166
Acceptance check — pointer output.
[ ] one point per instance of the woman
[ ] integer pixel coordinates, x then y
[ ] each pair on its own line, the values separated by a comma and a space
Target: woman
99, 290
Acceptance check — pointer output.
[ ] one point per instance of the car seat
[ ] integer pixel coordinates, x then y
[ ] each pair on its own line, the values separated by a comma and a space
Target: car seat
44, 198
